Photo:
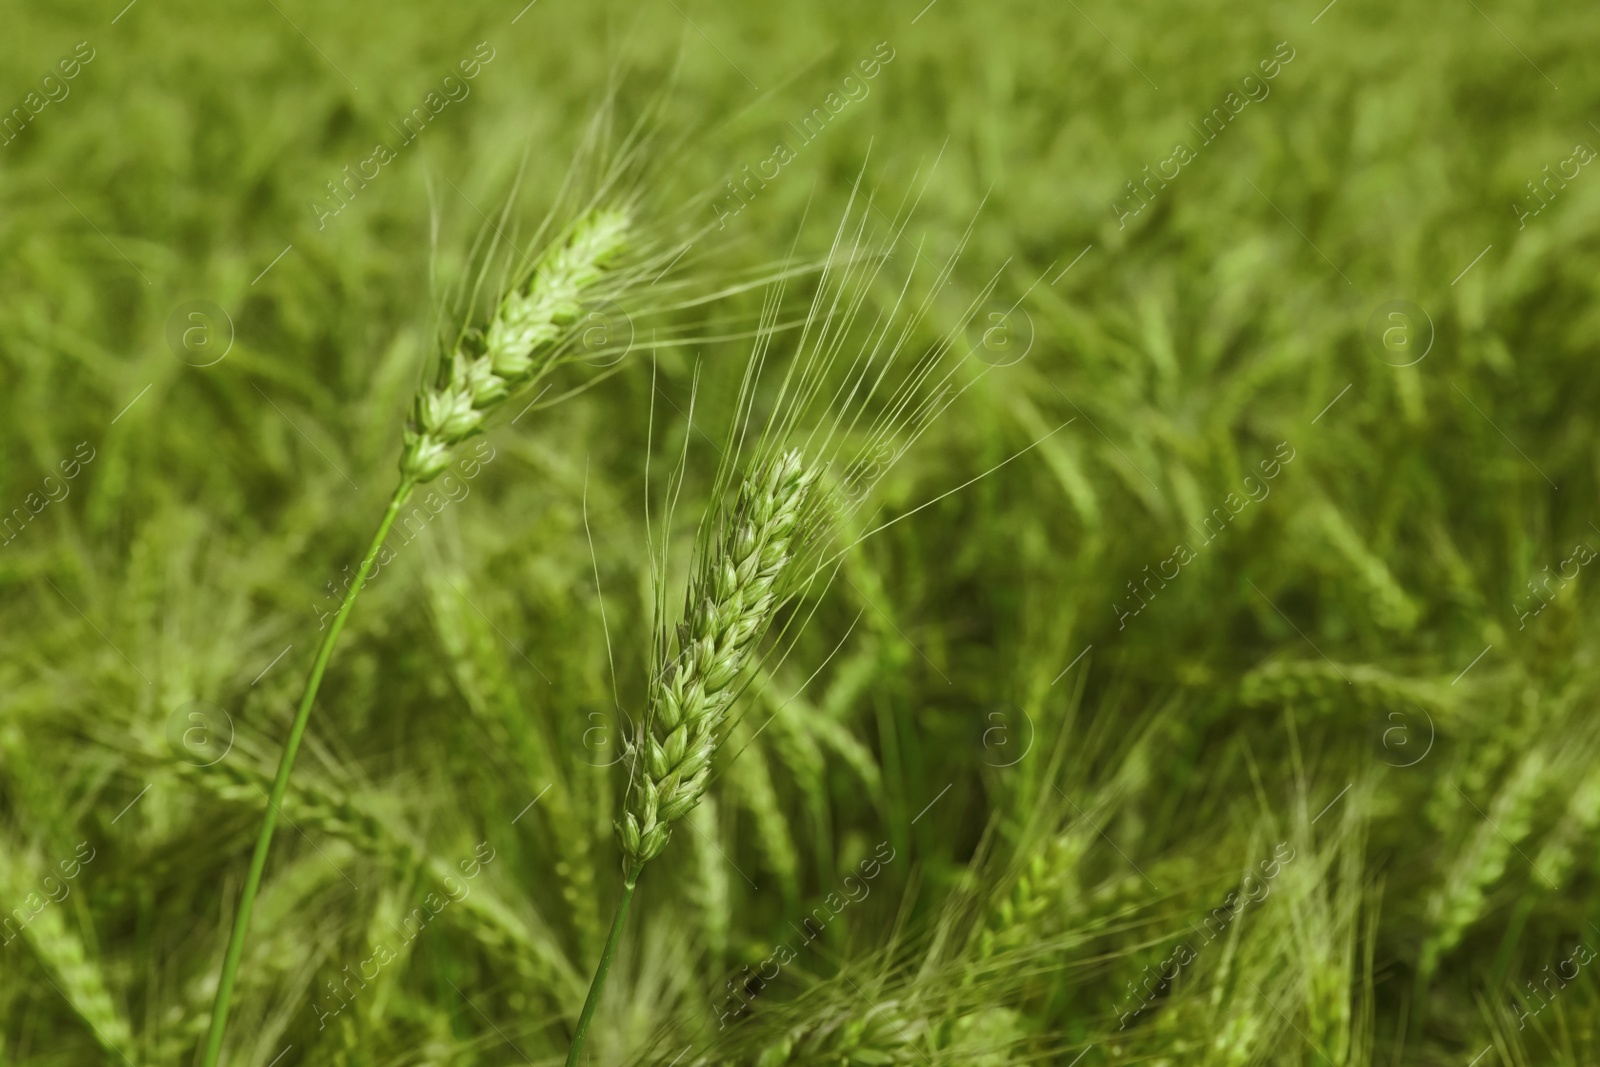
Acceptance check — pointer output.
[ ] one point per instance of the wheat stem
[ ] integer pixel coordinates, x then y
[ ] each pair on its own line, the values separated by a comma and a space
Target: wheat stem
593, 999
280, 784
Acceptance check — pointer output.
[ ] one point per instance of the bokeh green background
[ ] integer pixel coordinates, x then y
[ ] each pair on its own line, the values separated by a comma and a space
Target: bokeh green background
1353, 668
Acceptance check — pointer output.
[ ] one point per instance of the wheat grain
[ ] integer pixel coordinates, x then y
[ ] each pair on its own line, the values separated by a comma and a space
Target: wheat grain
1462, 899
1557, 855
1014, 918
515, 349
732, 598
73, 972
1391, 606
734, 593
1328, 689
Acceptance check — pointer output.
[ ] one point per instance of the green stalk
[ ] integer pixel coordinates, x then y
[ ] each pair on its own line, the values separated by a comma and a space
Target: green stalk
593, 1000
280, 784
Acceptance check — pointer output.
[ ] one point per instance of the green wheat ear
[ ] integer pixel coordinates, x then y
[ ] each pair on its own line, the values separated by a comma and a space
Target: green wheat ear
517, 347
734, 592
521, 343
732, 598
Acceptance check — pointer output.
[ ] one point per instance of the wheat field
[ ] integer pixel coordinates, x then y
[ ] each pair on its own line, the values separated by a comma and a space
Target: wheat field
696, 534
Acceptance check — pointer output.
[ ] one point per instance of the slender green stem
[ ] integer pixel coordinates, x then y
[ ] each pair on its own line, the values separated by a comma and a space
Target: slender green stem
280, 784
599, 982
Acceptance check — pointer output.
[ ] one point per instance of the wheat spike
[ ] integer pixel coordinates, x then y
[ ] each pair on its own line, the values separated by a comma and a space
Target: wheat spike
1481, 861
476, 662
1558, 854
750, 779
885, 1034
515, 349
1013, 919
70, 968
530, 950
732, 598
712, 889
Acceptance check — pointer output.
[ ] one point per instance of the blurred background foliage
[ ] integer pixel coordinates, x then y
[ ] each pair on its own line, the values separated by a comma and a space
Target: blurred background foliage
1357, 671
